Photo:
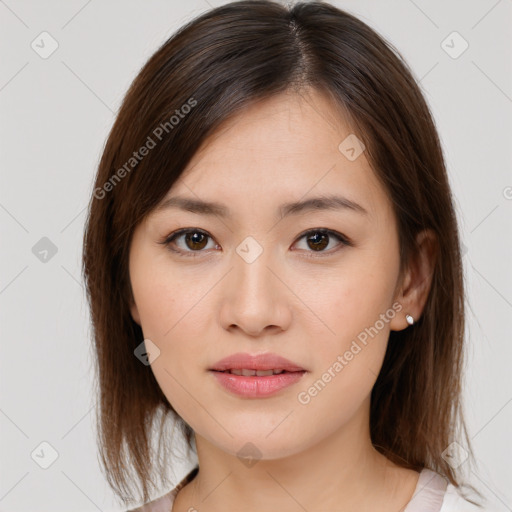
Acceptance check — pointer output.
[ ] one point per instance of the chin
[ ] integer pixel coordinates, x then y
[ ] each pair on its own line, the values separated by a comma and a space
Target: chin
255, 444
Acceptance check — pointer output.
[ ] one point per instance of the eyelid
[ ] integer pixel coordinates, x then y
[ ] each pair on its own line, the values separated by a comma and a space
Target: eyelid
166, 241
343, 239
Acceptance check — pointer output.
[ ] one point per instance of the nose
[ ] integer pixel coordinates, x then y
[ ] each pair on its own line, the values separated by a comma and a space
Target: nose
256, 299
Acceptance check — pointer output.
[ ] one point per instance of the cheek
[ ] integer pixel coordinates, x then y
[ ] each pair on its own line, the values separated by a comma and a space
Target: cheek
351, 298
167, 299
156, 302
171, 310
355, 309
347, 363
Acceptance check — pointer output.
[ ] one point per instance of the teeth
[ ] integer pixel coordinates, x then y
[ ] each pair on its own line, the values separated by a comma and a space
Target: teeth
261, 373
252, 373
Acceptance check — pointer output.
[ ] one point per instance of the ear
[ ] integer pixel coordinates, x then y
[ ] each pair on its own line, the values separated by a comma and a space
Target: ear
416, 283
134, 311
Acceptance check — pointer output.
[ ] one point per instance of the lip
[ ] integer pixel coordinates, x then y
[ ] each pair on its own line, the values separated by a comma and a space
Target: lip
255, 386
268, 361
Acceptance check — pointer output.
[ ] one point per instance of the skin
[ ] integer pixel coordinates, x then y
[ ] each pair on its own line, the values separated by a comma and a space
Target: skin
316, 456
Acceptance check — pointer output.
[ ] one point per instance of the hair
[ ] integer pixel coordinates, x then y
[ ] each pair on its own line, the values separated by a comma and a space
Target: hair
187, 90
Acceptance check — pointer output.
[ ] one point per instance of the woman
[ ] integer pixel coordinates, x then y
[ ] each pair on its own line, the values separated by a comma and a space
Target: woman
272, 259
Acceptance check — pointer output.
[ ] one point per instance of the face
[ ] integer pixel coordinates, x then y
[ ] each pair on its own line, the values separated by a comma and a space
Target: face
313, 285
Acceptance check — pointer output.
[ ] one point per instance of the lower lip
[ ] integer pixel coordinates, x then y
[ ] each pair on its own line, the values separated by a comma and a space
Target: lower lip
254, 386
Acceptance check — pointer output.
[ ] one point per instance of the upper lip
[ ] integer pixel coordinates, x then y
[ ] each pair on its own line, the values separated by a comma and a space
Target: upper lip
268, 361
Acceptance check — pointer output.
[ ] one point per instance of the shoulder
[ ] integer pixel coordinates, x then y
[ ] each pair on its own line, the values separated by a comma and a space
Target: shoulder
435, 494
164, 503
454, 502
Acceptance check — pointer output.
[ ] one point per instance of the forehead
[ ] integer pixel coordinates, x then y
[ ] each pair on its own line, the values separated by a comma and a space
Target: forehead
286, 147
280, 127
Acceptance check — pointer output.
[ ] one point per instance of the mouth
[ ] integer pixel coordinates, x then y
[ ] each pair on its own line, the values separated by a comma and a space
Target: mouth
260, 365
256, 384
256, 373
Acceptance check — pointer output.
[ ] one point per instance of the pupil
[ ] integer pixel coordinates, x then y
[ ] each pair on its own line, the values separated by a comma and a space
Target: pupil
319, 244
193, 238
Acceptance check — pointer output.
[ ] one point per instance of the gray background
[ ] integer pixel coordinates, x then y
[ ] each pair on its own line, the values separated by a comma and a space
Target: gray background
55, 116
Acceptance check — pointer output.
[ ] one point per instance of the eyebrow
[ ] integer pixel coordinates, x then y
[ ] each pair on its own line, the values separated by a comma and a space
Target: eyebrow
329, 202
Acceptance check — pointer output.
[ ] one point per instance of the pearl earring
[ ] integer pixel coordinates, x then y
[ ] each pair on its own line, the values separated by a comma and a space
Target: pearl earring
410, 319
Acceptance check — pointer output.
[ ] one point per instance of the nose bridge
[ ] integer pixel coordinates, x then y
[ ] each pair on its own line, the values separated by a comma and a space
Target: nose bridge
252, 262
255, 300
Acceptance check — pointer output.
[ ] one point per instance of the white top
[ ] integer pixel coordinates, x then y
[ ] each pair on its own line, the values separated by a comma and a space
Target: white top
433, 493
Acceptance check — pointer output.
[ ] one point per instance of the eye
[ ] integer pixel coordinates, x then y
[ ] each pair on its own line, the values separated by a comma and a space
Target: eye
319, 239
195, 240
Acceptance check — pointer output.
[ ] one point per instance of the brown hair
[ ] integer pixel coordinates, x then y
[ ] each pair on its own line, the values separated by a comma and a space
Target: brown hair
211, 69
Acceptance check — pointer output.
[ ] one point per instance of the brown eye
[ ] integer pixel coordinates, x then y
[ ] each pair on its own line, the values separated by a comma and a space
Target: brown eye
195, 240
318, 241
192, 241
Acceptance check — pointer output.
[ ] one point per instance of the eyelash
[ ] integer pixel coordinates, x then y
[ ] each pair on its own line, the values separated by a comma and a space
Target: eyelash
187, 254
